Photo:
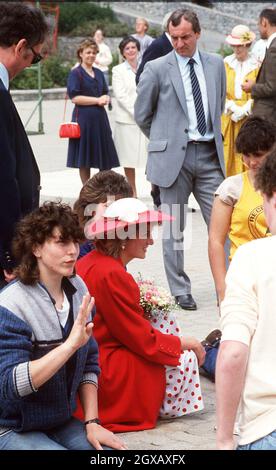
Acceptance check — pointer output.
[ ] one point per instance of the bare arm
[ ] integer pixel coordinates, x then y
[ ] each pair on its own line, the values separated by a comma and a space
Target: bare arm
230, 374
95, 433
91, 100
219, 228
41, 370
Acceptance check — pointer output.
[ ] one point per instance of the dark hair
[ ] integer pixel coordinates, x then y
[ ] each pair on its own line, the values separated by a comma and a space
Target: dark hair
188, 15
270, 15
256, 135
87, 43
21, 21
113, 246
34, 229
109, 247
125, 41
265, 179
96, 190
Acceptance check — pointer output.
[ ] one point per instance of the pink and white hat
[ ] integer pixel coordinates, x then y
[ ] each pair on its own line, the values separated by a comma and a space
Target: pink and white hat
124, 213
240, 36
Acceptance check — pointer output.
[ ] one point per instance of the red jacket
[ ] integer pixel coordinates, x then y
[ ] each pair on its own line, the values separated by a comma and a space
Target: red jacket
132, 353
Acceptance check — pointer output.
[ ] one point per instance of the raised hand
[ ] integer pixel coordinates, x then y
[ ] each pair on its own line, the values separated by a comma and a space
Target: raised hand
82, 330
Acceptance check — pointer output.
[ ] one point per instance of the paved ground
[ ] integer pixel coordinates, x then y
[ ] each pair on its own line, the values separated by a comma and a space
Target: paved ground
191, 432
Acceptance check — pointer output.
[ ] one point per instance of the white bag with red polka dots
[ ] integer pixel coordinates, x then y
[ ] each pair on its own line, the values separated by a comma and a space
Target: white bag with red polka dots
183, 392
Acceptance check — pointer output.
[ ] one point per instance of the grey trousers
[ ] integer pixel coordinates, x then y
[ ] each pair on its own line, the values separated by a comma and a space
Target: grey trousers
201, 174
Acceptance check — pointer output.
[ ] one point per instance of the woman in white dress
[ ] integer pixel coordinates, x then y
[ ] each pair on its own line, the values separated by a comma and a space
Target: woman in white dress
104, 56
130, 142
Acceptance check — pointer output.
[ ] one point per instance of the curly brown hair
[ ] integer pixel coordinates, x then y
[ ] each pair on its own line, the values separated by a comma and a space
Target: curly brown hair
84, 45
37, 227
256, 135
96, 189
265, 180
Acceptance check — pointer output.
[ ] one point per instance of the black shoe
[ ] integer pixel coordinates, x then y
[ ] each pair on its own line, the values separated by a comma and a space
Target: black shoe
186, 302
155, 194
213, 339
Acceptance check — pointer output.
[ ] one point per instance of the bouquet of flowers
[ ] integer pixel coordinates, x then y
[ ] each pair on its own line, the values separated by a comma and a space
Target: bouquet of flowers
155, 301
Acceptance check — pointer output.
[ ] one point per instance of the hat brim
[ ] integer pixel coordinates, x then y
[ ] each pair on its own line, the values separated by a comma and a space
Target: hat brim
105, 225
238, 42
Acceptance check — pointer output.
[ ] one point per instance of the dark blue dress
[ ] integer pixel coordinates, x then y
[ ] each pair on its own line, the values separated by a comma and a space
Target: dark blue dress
95, 148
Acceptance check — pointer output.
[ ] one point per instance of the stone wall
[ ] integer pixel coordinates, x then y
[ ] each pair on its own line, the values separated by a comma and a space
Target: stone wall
221, 18
67, 46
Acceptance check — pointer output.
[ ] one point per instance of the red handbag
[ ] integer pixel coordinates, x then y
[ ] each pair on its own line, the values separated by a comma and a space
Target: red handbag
70, 130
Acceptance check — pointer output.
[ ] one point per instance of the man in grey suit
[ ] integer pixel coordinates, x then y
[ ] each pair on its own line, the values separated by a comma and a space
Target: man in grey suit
264, 90
179, 104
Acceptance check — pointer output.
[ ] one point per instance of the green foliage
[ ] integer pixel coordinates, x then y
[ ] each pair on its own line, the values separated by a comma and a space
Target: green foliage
74, 14
109, 29
154, 31
53, 75
115, 61
225, 50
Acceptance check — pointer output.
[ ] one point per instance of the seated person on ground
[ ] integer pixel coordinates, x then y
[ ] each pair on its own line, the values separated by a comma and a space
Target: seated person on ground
47, 350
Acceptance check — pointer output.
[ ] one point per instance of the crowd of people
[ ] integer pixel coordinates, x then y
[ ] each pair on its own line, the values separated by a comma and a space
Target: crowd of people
80, 360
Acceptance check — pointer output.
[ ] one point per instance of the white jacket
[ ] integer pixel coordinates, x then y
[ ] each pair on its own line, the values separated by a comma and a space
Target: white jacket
124, 88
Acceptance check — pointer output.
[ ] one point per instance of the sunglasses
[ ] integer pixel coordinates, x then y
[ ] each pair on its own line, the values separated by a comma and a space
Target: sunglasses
37, 57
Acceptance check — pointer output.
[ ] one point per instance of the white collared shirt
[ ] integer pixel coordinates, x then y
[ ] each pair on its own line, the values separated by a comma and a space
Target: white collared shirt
184, 68
270, 39
168, 37
242, 68
4, 76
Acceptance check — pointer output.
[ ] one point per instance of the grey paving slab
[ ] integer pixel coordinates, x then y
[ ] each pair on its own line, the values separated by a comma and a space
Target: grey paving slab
194, 431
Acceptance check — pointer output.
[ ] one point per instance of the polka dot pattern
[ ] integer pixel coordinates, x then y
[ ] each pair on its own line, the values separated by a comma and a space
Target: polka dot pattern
183, 393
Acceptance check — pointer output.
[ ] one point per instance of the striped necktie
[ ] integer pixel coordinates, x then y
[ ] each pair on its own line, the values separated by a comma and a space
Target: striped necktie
200, 115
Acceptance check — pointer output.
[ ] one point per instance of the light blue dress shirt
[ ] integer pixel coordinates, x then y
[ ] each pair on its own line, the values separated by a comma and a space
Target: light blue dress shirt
184, 68
4, 76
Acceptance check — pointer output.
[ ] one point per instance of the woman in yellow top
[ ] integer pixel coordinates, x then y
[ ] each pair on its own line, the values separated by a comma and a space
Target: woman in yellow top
238, 209
240, 66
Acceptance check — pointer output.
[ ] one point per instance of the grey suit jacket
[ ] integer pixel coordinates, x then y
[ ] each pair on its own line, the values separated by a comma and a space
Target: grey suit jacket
264, 91
161, 113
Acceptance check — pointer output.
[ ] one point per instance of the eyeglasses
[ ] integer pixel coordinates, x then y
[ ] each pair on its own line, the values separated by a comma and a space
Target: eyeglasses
37, 57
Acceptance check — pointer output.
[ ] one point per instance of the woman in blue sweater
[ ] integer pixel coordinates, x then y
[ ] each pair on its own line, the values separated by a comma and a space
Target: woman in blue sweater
47, 353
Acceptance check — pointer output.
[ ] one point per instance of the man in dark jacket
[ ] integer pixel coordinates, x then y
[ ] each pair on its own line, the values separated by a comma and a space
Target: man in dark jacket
264, 90
159, 47
23, 29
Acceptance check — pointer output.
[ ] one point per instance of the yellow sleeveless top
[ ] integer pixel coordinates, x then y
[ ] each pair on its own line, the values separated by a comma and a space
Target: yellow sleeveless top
248, 220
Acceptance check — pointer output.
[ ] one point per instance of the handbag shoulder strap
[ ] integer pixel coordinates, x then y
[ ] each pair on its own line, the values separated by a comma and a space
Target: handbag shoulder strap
66, 99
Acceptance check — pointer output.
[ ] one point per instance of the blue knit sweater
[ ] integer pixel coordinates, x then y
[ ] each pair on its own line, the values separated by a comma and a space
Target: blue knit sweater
29, 329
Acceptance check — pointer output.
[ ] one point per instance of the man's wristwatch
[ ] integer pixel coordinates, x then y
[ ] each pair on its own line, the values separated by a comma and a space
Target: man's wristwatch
90, 421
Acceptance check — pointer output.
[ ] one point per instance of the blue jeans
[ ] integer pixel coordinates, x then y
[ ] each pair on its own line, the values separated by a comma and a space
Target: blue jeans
209, 364
69, 436
265, 443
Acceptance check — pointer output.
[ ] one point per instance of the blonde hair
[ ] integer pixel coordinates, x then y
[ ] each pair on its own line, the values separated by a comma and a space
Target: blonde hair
140, 18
